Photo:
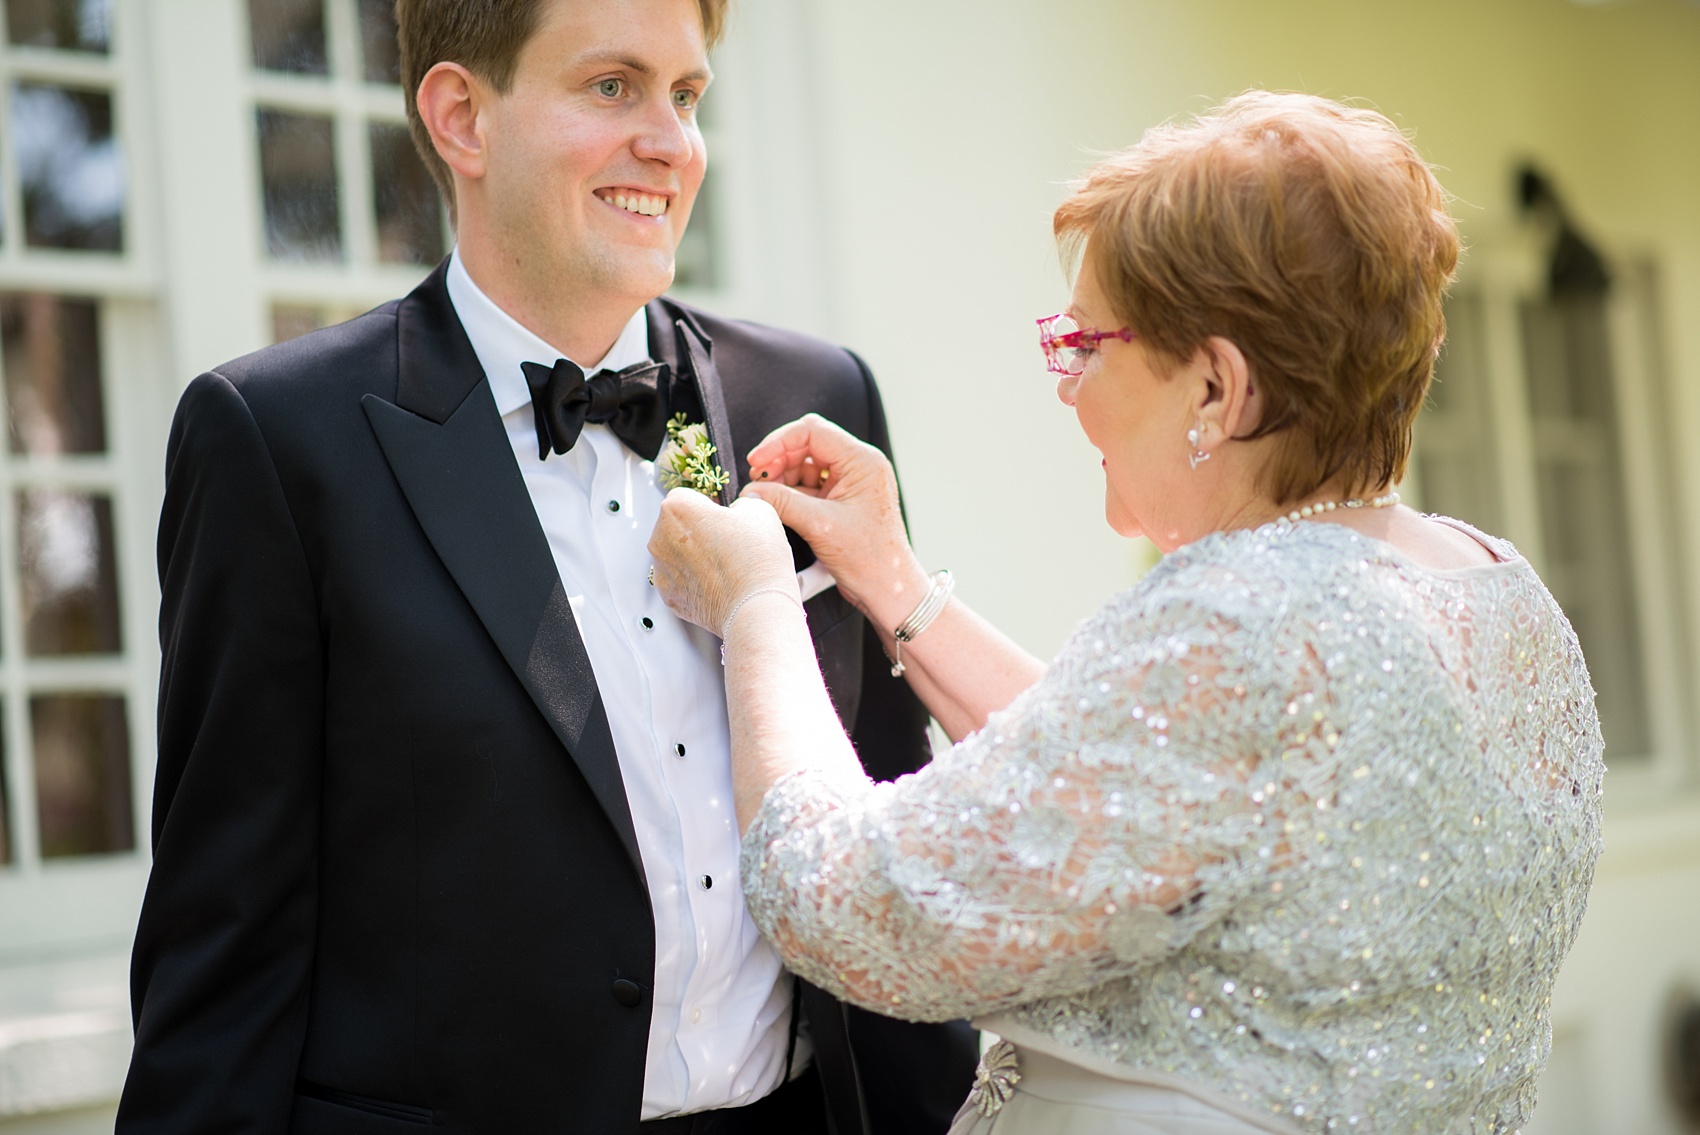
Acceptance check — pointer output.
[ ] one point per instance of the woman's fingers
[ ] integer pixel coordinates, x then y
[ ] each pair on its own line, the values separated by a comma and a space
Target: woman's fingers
803, 512
809, 475
787, 454
840, 495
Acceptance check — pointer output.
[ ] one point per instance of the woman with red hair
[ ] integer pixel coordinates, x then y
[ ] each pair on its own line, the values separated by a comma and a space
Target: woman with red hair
1292, 836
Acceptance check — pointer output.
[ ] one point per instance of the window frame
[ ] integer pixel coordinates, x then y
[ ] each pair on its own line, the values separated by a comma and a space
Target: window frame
358, 280
1502, 272
60, 902
87, 901
122, 74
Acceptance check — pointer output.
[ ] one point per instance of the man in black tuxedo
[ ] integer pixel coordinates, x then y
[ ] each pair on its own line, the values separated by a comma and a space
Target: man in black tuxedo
442, 830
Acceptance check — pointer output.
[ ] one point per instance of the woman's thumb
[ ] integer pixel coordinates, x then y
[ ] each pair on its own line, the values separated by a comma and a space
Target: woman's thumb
797, 511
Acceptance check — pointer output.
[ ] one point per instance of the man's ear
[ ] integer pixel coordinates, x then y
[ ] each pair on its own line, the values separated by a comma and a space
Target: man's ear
1228, 406
449, 100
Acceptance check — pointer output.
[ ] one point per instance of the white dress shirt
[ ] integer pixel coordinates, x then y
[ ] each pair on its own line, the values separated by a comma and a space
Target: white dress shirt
722, 1003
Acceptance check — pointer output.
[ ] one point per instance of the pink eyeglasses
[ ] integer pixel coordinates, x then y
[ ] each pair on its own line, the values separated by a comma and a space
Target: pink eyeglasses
1067, 345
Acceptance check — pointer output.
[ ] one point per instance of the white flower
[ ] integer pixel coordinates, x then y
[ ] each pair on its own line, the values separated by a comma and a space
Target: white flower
687, 459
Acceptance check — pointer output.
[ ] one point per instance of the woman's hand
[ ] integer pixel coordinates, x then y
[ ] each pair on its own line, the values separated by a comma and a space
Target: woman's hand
839, 494
707, 558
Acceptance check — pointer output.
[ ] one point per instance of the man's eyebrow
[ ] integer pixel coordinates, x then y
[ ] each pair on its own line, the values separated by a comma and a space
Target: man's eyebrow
593, 58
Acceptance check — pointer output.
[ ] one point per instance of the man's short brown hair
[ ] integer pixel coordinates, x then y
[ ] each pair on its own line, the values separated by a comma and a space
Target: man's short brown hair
485, 37
1312, 235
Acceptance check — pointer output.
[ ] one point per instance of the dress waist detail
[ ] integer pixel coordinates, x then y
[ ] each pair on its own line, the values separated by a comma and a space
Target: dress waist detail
1052, 1071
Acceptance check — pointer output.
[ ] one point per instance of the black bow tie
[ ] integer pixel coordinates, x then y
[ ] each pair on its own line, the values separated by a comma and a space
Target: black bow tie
632, 402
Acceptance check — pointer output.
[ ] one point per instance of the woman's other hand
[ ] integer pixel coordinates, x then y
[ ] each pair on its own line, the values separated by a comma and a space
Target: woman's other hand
707, 557
840, 494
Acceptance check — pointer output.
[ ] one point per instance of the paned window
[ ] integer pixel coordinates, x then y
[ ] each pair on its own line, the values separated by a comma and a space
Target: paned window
341, 183
1579, 477
64, 185
63, 677
67, 681
1544, 424
86, 388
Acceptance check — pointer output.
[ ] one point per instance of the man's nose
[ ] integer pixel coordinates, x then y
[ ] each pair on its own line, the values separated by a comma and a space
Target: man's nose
1066, 386
664, 137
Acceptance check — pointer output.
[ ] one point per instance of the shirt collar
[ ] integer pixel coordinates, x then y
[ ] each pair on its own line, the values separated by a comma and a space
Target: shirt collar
502, 343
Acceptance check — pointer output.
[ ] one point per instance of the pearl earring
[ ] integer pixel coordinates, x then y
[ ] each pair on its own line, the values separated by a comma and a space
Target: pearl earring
1197, 457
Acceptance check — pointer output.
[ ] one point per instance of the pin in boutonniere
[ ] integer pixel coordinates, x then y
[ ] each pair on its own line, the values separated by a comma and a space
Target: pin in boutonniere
687, 460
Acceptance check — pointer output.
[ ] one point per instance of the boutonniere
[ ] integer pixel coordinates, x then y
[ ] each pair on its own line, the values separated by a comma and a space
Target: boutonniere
687, 459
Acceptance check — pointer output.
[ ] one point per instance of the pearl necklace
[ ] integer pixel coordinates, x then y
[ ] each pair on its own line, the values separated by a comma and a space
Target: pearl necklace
1386, 500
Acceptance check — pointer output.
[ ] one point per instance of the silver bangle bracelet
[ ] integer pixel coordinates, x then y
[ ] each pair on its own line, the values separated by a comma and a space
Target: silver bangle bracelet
938, 596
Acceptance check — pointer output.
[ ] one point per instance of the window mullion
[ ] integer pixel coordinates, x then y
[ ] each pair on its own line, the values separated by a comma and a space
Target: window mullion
69, 68
353, 159
11, 183
1508, 400
354, 175
26, 846
1650, 557
342, 38
304, 94
383, 103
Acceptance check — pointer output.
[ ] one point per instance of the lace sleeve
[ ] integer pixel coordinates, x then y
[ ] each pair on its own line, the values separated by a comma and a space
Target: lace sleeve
1120, 805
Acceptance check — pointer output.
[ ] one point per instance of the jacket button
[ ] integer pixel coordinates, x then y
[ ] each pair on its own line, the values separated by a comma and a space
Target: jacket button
626, 992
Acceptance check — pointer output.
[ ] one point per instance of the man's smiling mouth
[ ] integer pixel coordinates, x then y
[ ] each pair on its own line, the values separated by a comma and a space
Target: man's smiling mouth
643, 204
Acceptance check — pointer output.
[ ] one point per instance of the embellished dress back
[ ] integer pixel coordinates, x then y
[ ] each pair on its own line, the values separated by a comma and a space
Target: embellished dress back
1296, 828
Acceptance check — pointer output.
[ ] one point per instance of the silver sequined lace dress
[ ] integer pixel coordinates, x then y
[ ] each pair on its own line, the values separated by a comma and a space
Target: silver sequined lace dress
1295, 821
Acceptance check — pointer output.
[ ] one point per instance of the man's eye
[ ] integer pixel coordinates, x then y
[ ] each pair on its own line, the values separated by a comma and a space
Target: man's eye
685, 99
610, 88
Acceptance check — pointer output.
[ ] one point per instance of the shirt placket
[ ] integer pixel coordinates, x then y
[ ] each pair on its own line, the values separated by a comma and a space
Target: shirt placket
653, 635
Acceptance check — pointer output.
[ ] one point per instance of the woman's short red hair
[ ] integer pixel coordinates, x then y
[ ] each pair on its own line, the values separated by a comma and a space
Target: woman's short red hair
1312, 235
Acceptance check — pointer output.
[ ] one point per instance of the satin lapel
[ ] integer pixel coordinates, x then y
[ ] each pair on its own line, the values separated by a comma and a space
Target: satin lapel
683, 345
696, 345
446, 446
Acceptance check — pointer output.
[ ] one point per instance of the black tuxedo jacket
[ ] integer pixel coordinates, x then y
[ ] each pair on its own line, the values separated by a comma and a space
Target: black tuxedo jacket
396, 883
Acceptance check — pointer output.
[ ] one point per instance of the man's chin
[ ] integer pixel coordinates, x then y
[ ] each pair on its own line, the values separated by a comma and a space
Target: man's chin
641, 276
611, 281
